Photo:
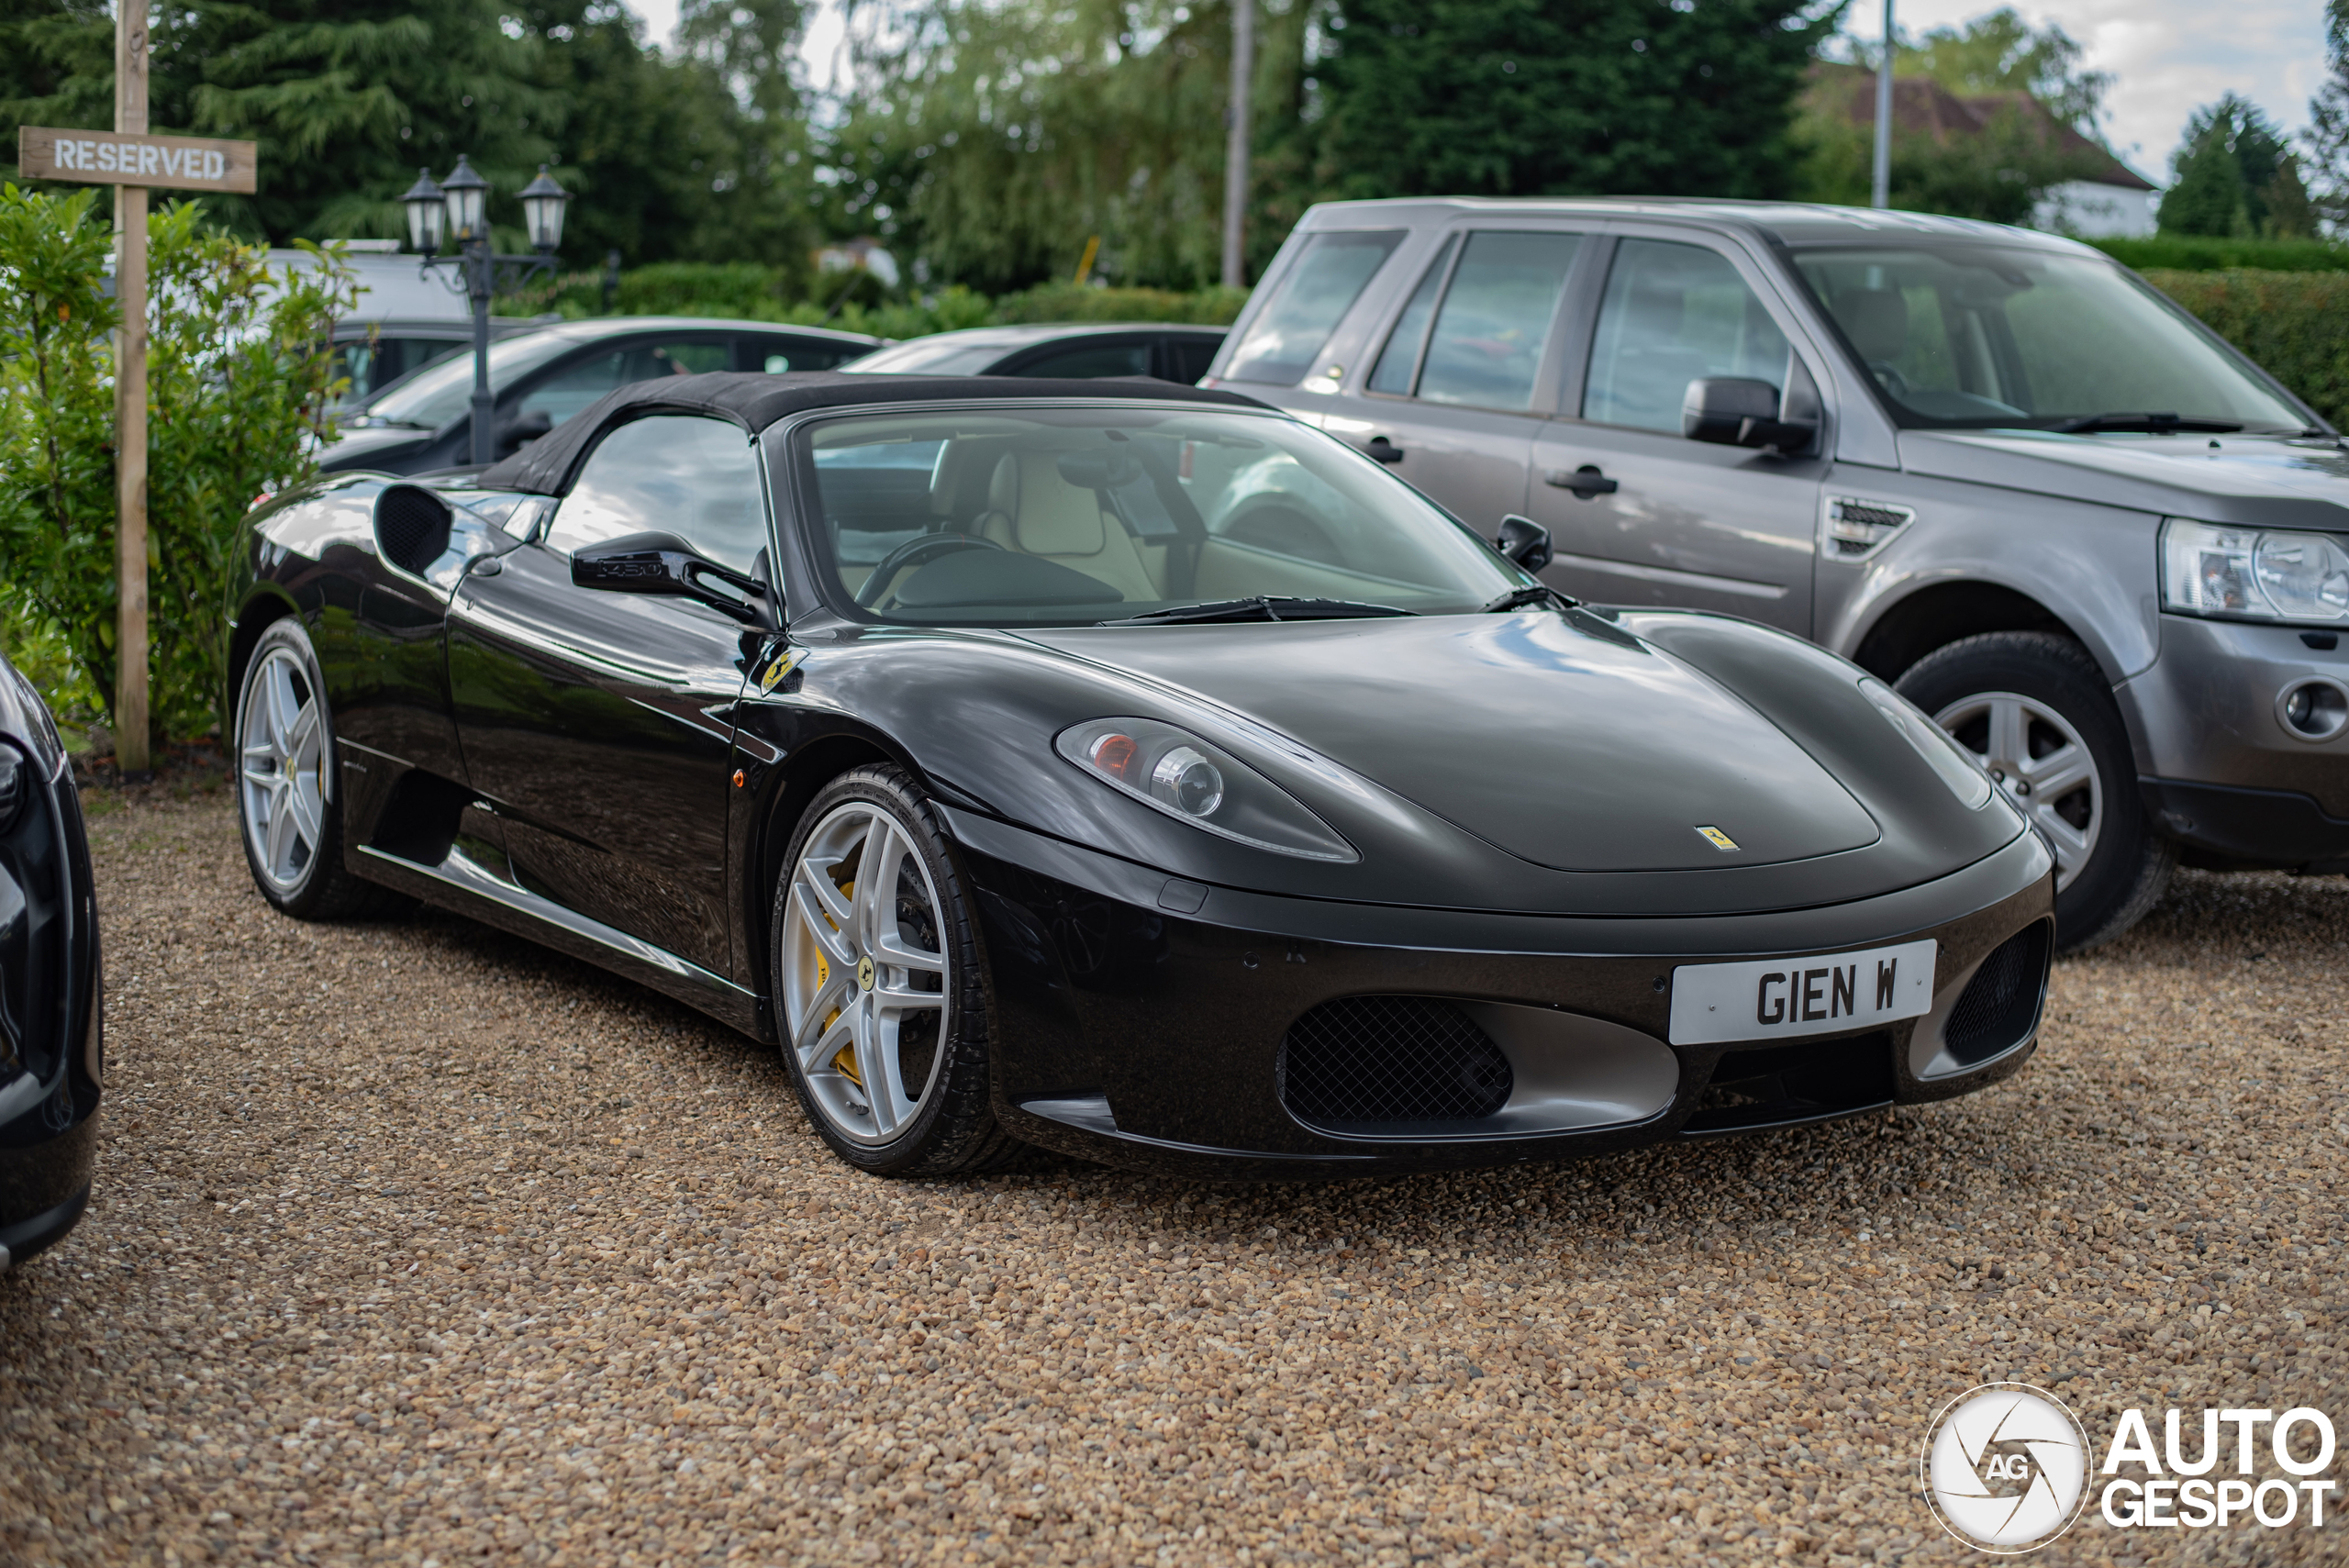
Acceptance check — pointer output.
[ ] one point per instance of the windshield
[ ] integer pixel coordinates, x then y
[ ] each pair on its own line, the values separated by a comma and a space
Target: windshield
951, 357
1996, 337
1060, 517
441, 393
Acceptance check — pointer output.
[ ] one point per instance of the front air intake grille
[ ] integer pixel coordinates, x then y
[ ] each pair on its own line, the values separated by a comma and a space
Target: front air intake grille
2000, 1003
1391, 1066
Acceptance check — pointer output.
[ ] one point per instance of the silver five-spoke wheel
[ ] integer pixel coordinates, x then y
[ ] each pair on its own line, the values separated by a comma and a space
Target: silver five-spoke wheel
2041, 761
865, 981
282, 740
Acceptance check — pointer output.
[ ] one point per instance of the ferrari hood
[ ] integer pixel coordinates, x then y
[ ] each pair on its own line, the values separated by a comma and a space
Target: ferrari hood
1565, 742
2256, 480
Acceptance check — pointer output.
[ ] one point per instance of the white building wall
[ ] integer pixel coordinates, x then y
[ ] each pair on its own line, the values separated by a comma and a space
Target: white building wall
2094, 211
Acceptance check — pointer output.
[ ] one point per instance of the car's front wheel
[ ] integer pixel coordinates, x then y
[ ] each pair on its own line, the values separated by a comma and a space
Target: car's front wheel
878, 990
2038, 713
288, 809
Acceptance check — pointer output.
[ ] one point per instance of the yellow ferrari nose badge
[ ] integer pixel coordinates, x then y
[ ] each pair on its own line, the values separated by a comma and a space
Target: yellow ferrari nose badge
864, 973
1718, 838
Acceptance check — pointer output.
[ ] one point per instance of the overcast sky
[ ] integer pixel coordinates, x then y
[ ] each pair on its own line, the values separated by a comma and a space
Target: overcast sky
2169, 56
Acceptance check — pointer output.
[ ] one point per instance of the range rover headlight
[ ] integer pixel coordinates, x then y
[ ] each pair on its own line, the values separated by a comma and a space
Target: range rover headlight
1194, 781
2209, 569
1954, 762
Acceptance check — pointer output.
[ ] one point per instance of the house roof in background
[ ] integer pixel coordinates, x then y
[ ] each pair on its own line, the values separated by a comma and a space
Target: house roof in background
1922, 107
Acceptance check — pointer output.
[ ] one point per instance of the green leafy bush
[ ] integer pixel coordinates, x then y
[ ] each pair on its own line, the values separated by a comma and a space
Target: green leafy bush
2196, 253
2294, 324
238, 374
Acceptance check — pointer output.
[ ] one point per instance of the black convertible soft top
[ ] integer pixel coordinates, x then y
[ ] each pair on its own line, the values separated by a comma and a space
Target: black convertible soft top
754, 400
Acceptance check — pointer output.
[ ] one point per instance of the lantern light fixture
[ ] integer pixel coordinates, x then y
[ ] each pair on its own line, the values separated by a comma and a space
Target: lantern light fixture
426, 208
543, 201
466, 194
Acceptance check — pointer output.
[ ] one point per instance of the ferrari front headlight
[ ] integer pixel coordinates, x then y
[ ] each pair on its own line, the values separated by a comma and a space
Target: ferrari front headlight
2209, 569
1194, 781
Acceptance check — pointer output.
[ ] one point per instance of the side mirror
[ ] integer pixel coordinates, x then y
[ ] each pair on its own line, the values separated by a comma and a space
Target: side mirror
1739, 411
1524, 541
665, 564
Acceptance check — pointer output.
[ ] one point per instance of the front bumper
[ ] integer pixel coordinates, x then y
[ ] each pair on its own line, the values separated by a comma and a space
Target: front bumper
2221, 770
1146, 1022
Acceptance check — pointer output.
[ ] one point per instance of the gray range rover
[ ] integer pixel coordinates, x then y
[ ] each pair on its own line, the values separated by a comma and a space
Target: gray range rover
2102, 547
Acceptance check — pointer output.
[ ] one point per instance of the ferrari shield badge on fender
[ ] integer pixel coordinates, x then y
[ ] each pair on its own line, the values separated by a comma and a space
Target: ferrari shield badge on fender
778, 669
1717, 839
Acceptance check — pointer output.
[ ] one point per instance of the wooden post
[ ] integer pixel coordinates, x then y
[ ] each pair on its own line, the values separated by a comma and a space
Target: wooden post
1235, 151
130, 717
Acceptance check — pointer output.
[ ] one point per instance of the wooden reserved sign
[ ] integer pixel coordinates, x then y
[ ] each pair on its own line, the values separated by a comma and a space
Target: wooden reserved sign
119, 157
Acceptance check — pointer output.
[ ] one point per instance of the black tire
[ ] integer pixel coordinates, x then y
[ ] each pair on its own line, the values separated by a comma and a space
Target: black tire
2103, 892
309, 881
945, 1126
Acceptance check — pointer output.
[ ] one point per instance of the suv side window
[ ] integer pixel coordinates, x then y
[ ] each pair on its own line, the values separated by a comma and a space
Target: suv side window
1484, 347
1313, 297
573, 387
1672, 313
679, 474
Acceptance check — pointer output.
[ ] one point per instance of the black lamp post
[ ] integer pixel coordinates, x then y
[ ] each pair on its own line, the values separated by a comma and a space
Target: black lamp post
457, 209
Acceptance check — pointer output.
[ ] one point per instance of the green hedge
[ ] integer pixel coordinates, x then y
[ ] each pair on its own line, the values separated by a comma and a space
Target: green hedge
746, 291
2295, 324
2184, 253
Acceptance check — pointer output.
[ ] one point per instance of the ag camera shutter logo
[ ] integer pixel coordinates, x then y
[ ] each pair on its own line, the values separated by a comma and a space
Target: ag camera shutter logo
2005, 1467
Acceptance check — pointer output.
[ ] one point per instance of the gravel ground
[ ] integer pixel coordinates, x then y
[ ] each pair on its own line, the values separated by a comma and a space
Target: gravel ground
415, 1243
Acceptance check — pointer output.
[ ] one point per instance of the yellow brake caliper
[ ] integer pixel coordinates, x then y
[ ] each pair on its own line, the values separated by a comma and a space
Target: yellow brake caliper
843, 1059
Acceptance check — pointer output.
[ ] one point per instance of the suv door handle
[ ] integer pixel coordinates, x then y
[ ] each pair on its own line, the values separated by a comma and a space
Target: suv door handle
1381, 449
1587, 482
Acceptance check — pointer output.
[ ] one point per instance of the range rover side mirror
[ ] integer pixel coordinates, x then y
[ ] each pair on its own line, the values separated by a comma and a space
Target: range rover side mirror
664, 564
1742, 411
1524, 541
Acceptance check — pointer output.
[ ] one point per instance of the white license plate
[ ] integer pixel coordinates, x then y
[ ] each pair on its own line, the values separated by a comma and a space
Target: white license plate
1783, 998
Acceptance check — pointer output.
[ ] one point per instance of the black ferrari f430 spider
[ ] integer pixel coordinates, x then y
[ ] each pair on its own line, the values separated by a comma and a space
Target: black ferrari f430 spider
1127, 769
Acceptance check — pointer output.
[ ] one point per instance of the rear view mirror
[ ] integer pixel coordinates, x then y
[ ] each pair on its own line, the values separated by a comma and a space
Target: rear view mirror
1524, 541
665, 564
1740, 411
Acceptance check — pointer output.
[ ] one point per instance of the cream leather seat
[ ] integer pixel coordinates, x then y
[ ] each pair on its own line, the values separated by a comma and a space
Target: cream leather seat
1032, 510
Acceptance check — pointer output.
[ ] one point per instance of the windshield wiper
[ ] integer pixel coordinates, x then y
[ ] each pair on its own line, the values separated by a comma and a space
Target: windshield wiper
1518, 599
2150, 424
1263, 606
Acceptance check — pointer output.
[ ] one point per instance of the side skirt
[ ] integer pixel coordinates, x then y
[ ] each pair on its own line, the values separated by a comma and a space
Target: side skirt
466, 887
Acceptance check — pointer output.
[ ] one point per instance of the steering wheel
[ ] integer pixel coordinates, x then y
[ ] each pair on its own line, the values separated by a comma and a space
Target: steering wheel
916, 553
1891, 379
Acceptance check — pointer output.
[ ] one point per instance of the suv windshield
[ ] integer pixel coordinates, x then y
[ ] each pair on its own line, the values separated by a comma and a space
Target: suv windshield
1057, 516
1993, 337
434, 396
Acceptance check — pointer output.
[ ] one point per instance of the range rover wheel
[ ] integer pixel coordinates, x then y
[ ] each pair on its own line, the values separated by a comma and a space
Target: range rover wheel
2039, 715
288, 809
878, 990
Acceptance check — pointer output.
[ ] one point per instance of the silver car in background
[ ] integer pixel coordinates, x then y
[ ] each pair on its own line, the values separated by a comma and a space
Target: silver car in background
2102, 547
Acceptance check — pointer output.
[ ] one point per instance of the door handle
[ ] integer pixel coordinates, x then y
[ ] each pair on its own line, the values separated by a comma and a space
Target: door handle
1587, 482
1381, 449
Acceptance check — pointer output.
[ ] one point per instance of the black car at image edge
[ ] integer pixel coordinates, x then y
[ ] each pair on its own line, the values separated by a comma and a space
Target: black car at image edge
51, 1033
1127, 769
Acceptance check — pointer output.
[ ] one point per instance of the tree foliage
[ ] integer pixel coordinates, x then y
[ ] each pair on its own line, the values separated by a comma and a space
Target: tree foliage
2237, 176
2003, 54
238, 374
1519, 98
2328, 133
697, 155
